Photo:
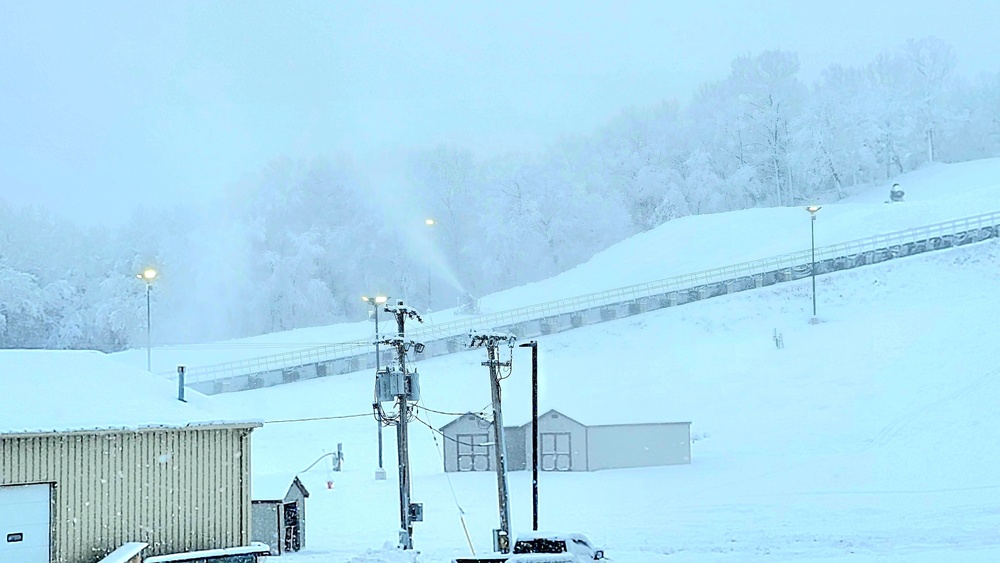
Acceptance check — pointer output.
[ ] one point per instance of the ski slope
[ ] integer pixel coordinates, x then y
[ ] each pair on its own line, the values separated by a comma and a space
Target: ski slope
937, 193
873, 436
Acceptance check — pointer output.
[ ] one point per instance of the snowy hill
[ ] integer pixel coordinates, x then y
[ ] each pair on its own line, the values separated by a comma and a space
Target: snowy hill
937, 193
873, 436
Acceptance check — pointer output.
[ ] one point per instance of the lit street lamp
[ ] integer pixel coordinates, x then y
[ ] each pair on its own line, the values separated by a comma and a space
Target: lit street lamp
430, 224
812, 209
377, 302
148, 275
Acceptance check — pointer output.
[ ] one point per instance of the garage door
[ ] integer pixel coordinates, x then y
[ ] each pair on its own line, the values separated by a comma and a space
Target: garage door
24, 523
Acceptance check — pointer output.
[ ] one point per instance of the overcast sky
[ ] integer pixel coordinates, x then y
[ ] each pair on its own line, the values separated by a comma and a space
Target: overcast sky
107, 105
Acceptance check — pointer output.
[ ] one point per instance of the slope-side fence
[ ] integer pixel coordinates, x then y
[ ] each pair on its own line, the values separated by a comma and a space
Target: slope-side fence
572, 312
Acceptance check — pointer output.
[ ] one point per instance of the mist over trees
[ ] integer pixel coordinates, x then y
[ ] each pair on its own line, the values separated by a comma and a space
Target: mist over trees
296, 244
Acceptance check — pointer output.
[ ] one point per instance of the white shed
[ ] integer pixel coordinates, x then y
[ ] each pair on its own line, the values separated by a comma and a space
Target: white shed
568, 443
468, 445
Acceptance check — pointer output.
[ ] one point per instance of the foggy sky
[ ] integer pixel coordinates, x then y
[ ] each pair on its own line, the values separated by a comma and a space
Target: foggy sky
106, 106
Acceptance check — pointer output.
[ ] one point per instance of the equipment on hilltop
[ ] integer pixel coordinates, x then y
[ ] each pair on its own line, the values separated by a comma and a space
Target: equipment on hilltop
468, 305
895, 194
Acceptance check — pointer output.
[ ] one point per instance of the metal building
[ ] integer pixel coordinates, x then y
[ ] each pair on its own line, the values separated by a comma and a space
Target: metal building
95, 454
278, 516
565, 444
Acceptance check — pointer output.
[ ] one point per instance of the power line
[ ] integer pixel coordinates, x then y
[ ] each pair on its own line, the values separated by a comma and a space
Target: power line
481, 412
445, 436
341, 417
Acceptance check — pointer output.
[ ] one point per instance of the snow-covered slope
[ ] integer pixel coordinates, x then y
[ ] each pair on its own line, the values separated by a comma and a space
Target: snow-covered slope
873, 436
937, 193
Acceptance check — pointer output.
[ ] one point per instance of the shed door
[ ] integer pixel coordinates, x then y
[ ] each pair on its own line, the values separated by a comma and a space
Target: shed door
473, 454
557, 451
24, 523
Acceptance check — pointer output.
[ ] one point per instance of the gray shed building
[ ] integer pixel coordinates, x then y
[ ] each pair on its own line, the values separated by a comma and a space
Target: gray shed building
565, 444
95, 454
279, 512
468, 445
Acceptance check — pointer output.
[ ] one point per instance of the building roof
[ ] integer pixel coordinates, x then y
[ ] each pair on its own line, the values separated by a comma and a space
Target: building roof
581, 416
254, 547
483, 421
274, 486
46, 391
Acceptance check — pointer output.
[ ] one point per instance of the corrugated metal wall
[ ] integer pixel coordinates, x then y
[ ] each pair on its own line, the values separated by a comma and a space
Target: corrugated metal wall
174, 489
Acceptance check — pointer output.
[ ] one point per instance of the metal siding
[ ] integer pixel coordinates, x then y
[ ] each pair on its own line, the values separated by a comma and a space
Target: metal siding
638, 445
115, 487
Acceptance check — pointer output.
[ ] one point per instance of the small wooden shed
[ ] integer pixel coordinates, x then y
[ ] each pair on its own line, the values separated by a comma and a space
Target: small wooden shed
278, 512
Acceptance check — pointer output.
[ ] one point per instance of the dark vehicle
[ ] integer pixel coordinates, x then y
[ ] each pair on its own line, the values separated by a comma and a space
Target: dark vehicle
575, 547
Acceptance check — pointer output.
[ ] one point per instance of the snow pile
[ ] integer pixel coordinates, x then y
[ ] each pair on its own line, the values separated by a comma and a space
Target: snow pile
388, 554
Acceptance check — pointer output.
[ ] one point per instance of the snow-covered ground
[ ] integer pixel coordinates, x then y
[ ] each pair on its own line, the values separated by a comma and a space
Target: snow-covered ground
934, 194
873, 436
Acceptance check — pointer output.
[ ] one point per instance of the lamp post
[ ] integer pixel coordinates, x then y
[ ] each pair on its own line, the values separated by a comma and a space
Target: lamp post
430, 224
148, 275
812, 209
377, 302
534, 431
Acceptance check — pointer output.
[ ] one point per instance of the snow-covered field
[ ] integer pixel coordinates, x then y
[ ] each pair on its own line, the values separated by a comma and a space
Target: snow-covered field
934, 194
873, 436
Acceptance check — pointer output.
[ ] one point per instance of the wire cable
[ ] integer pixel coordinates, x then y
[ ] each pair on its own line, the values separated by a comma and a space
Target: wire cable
447, 437
315, 418
461, 511
481, 412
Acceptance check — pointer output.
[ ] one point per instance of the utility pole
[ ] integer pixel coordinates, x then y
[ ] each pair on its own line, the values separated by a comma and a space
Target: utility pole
534, 432
376, 302
501, 538
403, 387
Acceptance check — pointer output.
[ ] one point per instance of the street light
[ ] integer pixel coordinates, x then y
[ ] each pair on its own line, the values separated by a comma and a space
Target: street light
534, 431
148, 275
812, 209
376, 302
430, 224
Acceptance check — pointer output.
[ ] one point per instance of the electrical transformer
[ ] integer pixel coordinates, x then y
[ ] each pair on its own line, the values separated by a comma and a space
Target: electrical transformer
390, 384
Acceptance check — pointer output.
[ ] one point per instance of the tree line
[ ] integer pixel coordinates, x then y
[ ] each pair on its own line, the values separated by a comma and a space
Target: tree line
299, 242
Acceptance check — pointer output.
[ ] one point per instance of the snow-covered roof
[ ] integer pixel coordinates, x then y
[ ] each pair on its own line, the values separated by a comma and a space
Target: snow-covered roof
43, 391
274, 486
254, 547
517, 417
125, 552
588, 416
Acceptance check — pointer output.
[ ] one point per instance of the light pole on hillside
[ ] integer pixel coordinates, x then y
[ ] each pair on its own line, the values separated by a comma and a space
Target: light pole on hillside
812, 209
148, 275
377, 302
431, 223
